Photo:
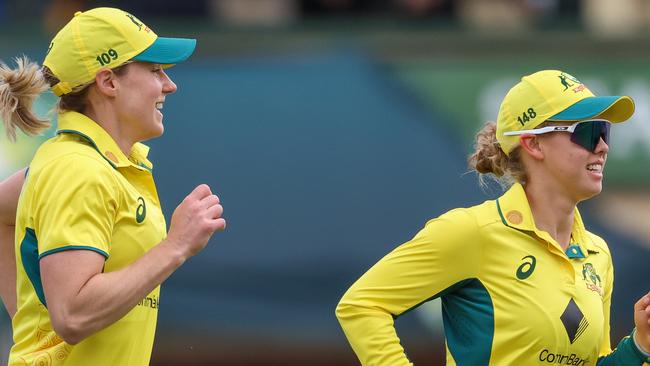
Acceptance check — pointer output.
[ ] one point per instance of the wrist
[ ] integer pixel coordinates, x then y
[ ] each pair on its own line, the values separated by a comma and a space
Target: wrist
640, 348
177, 253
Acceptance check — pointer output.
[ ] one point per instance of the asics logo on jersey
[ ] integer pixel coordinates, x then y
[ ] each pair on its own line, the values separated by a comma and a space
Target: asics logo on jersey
526, 269
141, 211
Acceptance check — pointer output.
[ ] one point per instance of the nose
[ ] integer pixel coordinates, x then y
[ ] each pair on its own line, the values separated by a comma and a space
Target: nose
601, 147
169, 86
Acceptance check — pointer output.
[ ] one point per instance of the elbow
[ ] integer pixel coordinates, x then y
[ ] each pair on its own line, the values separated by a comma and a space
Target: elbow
340, 311
343, 311
69, 328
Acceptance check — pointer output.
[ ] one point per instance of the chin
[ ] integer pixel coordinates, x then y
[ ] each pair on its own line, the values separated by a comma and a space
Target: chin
152, 134
591, 192
157, 130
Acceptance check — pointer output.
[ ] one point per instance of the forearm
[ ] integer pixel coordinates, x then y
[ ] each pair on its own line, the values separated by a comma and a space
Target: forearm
9, 192
107, 297
8, 268
371, 333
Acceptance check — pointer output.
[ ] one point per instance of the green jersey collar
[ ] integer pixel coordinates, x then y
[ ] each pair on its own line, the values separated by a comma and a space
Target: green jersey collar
82, 125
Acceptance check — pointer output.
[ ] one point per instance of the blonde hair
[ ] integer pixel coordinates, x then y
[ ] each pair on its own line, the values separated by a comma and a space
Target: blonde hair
489, 160
19, 88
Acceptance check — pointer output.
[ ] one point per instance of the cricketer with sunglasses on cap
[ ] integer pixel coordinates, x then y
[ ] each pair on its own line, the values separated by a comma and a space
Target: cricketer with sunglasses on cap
522, 281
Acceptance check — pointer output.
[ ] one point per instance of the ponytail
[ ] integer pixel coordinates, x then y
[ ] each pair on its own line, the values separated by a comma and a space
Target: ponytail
488, 159
19, 88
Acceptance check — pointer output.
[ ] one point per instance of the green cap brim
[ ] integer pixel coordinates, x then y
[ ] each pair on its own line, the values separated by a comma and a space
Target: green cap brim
612, 108
167, 51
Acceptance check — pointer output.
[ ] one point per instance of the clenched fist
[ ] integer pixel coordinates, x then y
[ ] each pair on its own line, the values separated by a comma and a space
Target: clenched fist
195, 220
642, 322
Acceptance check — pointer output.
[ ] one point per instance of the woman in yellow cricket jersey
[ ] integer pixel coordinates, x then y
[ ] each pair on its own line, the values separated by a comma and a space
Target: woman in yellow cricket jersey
522, 282
91, 242
17, 92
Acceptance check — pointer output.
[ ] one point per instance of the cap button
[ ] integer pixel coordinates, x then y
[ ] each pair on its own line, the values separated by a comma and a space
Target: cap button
77, 13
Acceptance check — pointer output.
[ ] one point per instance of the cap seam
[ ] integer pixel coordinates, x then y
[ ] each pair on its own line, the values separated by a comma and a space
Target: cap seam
545, 99
81, 47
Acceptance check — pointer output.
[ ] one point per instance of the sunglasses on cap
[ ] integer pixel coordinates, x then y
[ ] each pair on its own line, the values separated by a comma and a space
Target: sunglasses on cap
584, 133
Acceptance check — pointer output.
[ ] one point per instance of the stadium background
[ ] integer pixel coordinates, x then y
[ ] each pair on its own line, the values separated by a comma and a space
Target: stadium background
332, 130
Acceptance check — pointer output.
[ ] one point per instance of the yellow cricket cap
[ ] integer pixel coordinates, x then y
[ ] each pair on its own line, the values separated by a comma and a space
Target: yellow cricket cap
107, 38
552, 95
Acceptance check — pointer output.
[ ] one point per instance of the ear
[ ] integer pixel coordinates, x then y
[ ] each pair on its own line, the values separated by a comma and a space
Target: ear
106, 82
530, 144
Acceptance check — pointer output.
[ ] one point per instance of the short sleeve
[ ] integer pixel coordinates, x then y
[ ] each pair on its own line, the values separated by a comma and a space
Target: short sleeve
74, 206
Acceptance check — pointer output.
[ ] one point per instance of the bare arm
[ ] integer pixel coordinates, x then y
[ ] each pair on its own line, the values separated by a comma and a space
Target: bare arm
82, 300
9, 192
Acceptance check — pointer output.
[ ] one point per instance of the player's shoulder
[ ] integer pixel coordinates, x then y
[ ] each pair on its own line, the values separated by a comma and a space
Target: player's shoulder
69, 153
480, 215
598, 242
71, 163
476, 216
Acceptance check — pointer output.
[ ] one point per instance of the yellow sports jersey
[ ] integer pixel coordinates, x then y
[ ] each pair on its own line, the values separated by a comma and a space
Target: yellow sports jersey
510, 295
82, 192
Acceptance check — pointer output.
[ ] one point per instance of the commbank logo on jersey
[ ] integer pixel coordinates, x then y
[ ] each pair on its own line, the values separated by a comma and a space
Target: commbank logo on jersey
141, 211
592, 279
526, 269
562, 359
574, 321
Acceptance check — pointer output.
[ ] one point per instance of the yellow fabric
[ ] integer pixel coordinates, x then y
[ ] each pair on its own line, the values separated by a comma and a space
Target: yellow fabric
83, 193
541, 95
485, 246
92, 40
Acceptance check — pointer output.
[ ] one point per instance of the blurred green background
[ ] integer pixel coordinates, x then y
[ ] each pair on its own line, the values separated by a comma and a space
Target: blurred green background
332, 130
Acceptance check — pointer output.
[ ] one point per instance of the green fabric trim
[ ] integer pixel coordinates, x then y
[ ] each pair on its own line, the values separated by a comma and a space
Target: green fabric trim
503, 219
574, 251
468, 317
92, 143
626, 353
29, 259
73, 247
146, 167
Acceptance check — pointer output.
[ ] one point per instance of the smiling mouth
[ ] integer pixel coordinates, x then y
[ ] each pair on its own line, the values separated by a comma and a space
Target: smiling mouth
159, 105
598, 168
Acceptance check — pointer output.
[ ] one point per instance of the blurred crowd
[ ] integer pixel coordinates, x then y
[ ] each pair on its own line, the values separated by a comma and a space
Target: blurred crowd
601, 17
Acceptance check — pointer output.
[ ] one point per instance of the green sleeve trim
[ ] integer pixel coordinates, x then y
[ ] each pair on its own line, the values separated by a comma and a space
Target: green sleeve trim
29, 256
626, 353
73, 247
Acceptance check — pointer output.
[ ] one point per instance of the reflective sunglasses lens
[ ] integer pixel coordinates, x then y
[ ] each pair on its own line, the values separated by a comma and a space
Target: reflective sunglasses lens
588, 134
